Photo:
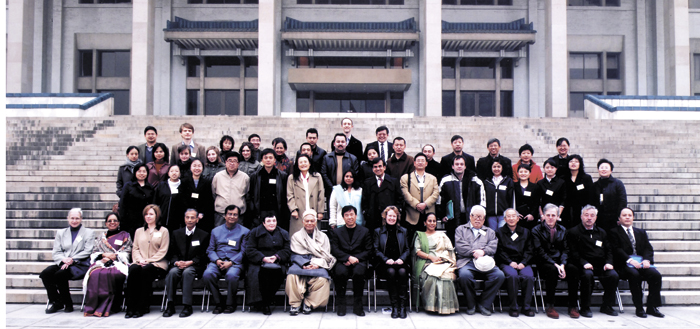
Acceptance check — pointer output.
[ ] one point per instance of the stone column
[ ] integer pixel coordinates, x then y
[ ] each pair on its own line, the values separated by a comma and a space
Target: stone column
20, 46
678, 48
142, 57
269, 57
556, 66
430, 58
641, 48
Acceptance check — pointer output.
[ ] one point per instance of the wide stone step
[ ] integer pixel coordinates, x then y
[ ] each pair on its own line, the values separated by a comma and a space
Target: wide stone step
72, 178
84, 205
674, 235
686, 257
678, 269
50, 214
668, 225
54, 223
72, 197
665, 245
29, 244
26, 267
670, 199
666, 207
664, 216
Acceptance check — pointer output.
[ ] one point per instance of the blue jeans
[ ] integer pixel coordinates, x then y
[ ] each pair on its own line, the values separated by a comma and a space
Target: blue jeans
494, 222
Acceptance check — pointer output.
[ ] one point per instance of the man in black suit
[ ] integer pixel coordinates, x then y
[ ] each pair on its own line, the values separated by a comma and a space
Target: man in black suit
483, 166
351, 245
379, 192
354, 146
386, 148
188, 259
464, 190
267, 195
457, 149
318, 153
633, 257
592, 254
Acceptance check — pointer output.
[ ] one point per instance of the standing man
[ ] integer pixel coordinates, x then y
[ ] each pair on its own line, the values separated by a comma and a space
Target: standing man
255, 140
267, 196
401, 163
317, 152
188, 259
483, 166
229, 187
633, 258
354, 145
457, 149
225, 251
420, 191
379, 192
146, 149
196, 150
459, 192
592, 253
433, 167
336, 163
385, 147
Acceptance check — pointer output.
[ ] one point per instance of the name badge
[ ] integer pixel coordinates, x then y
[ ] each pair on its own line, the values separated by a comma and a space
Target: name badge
420, 185
195, 195
601, 198
527, 193
502, 187
598, 243
272, 181
194, 154
175, 191
232, 243
195, 243
579, 187
550, 192
118, 242
157, 234
514, 236
78, 239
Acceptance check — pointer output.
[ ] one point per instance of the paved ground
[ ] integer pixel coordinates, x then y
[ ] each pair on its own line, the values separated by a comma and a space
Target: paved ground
33, 316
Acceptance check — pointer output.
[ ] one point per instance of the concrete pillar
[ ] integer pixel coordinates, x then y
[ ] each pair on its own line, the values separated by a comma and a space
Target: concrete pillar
660, 63
20, 46
431, 58
269, 57
556, 68
641, 42
56, 47
163, 61
142, 57
38, 51
535, 64
678, 49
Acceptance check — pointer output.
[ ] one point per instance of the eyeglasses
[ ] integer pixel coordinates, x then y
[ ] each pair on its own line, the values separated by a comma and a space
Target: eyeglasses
479, 217
232, 161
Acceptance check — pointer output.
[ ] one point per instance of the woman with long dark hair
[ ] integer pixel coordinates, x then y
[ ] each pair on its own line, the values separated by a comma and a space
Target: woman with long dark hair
200, 195
499, 195
184, 160
579, 192
250, 164
158, 168
392, 251
304, 192
126, 171
137, 194
347, 193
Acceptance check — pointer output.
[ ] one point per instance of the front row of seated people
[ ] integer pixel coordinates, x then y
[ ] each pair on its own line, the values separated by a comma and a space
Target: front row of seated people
311, 260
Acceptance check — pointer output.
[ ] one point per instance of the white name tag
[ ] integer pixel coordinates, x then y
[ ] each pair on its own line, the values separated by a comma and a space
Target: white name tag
420, 185
195, 195
195, 243
514, 236
232, 243
598, 243
157, 234
502, 187
175, 191
272, 181
118, 242
78, 239
550, 192
527, 193
601, 198
194, 155
579, 187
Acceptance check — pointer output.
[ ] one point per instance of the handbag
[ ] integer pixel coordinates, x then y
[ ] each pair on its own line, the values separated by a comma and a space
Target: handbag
271, 266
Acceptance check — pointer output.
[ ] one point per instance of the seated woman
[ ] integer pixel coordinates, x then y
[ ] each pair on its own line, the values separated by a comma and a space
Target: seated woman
126, 171
158, 169
434, 266
347, 193
268, 254
104, 280
391, 250
250, 164
513, 257
213, 163
137, 194
148, 253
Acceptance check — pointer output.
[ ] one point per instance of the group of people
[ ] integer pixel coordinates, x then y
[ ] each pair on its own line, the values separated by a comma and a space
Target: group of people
257, 211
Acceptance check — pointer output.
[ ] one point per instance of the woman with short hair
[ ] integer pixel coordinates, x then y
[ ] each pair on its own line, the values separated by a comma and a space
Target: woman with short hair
126, 171
579, 192
304, 192
611, 195
391, 250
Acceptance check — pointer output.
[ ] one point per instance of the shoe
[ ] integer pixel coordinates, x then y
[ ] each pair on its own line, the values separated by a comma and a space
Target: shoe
306, 309
654, 311
586, 313
293, 310
229, 309
402, 313
169, 311
137, 315
54, 307
471, 311
573, 313
186, 311
359, 311
528, 312
341, 311
129, 314
484, 311
394, 312
218, 309
266, 310
552, 313
608, 310
68, 308
640, 312
513, 313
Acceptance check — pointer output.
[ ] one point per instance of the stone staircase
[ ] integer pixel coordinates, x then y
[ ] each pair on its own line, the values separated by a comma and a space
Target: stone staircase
56, 164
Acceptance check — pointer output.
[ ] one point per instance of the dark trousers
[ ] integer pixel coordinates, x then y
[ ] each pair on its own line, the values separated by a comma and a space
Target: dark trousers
608, 278
342, 274
396, 277
635, 277
139, 286
493, 280
56, 283
550, 274
270, 281
452, 224
187, 276
231, 275
523, 279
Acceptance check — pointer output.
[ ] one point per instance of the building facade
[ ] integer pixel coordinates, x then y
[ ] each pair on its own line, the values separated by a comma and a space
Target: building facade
521, 58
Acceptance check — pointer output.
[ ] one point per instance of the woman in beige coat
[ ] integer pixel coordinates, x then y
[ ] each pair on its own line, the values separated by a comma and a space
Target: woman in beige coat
304, 191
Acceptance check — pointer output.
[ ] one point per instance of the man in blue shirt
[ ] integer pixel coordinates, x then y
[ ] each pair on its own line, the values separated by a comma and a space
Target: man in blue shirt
225, 252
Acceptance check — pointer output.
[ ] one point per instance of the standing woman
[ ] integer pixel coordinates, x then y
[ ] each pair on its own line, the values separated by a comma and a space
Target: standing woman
104, 280
551, 189
250, 164
304, 192
213, 163
391, 250
579, 192
126, 171
172, 198
611, 196
200, 196
184, 160
561, 160
137, 194
526, 198
366, 166
158, 169
226, 144
347, 193
148, 254
499, 195
283, 162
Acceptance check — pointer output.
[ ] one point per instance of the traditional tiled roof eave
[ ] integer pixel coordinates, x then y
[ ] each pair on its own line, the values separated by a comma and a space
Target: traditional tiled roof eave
488, 37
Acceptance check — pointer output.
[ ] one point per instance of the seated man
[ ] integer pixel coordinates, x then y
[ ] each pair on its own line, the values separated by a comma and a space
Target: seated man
351, 245
513, 258
633, 257
188, 259
71, 256
473, 241
550, 245
225, 251
311, 263
592, 253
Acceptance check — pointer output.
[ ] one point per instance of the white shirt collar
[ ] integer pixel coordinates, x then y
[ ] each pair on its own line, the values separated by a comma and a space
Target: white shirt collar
188, 232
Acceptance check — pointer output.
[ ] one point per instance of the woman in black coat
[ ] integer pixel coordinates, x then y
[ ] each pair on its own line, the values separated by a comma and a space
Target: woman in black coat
391, 251
268, 253
551, 189
136, 195
200, 196
526, 198
126, 171
172, 197
579, 192
611, 196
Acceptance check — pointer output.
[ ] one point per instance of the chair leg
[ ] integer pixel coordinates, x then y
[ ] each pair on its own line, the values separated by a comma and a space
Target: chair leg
410, 298
374, 280
539, 284
619, 300
534, 293
369, 297
82, 305
164, 302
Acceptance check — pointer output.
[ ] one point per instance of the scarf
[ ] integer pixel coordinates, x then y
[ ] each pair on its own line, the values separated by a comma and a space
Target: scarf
317, 245
173, 186
131, 164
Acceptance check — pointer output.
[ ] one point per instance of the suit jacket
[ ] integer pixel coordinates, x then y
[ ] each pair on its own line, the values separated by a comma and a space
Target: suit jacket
446, 163
197, 251
281, 191
329, 169
622, 246
483, 167
517, 250
200, 152
526, 203
401, 166
200, 198
142, 153
80, 249
589, 246
375, 199
296, 198
360, 246
431, 193
466, 243
375, 145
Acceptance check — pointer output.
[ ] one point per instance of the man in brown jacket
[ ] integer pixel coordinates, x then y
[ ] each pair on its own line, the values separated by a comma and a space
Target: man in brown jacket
420, 191
400, 163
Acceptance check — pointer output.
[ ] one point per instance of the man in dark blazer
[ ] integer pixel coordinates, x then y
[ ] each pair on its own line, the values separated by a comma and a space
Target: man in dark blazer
483, 166
354, 145
351, 245
385, 147
457, 149
267, 194
146, 149
196, 150
379, 192
330, 165
633, 259
464, 190
188, 259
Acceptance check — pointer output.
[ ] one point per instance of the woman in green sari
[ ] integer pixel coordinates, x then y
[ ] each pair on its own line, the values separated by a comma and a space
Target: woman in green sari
434, 270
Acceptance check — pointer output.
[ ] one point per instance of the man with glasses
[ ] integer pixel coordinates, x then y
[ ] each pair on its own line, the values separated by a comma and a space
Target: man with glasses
229, 187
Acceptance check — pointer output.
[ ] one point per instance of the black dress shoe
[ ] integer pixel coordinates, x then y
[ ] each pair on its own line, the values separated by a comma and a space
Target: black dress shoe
186, 311
218, 309
341, 311
266, 310
402, 313
640, 313
513, 313
586, 313
394, 312
608, 310
137, 314
229, 309
358, 311
654, 311
528, 312
68, 308
129, 314
169, 311
54, 307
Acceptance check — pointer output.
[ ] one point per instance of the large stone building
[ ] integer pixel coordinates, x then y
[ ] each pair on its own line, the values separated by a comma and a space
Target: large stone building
523, 58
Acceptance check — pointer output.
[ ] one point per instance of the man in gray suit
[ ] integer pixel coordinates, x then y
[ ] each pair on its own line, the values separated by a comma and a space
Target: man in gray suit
71, 256
474, 243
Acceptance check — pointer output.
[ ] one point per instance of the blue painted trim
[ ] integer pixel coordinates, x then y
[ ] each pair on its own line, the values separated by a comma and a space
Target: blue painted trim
293, 25
516, 26
181, 24
97, 98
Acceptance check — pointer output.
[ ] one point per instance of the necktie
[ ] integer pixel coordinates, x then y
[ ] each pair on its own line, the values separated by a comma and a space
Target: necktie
552, 233
381, 152
634, 247
380, 181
